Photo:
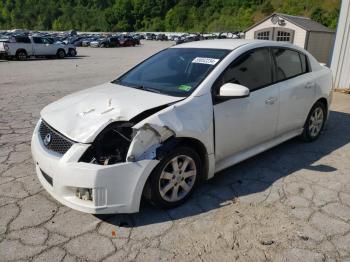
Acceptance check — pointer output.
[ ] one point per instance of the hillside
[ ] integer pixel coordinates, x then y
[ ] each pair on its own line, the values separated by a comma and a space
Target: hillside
156, 15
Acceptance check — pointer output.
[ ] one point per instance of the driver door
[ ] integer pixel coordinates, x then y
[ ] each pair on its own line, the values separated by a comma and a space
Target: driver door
243, 123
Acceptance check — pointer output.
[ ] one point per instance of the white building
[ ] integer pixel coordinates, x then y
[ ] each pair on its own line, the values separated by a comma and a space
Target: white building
341, 53
301, 31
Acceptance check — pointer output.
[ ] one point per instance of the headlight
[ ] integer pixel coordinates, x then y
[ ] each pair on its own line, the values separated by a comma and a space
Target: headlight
110, 146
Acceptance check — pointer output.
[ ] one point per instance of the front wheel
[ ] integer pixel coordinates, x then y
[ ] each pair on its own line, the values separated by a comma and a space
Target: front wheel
174, 179
72, 52
61, 54
314, 122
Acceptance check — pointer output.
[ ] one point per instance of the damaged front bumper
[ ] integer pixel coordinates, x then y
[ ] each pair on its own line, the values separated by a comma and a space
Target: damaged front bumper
110, 188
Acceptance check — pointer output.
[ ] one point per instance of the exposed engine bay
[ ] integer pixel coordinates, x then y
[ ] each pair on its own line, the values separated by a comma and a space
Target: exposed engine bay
111, 146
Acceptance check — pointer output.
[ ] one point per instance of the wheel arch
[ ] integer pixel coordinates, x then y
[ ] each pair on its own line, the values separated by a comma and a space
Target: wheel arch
20, 50
61, 49
324, 101
193, 143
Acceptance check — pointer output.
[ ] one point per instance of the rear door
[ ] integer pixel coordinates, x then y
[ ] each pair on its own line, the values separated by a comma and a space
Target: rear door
243, 123
297, 88
38, 46
25, 43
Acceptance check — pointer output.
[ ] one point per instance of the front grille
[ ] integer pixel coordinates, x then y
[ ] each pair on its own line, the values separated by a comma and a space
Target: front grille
53, 140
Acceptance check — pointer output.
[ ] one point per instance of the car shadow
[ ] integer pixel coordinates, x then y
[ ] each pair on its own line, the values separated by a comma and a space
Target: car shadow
251, 176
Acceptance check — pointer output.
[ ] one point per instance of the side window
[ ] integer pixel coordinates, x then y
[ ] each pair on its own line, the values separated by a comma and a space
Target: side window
304, 63
288, 63
45, 41
37, 40
252, 69
22, 40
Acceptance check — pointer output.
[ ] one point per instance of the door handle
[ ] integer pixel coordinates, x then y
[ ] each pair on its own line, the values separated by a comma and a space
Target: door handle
270, 100
309, 85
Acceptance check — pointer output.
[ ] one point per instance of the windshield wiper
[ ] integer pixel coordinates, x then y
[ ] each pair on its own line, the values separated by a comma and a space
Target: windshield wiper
146, 88
142, 87
152, 90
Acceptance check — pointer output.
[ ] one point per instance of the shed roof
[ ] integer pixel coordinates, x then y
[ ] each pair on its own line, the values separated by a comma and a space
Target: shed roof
303, 22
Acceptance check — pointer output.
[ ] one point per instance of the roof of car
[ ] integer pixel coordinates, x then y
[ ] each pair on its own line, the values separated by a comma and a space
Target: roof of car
228, 44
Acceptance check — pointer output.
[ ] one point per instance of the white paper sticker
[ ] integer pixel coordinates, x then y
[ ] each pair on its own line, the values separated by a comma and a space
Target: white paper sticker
205, 60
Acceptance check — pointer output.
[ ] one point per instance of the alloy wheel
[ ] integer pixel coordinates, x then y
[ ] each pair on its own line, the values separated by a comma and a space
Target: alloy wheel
177, 178
316, 122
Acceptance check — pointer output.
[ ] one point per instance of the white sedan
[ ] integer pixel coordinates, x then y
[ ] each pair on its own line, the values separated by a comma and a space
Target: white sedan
175, 119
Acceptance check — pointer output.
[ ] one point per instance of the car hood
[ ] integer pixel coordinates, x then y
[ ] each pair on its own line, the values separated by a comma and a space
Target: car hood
83, 115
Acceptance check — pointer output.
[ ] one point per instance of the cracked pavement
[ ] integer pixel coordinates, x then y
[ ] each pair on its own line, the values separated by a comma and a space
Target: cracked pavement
291, 203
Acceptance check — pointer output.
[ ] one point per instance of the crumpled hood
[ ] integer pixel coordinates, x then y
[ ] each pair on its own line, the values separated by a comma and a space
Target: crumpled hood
82, 116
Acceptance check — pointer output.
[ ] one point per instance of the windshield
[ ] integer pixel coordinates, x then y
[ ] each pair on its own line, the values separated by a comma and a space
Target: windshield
174, 71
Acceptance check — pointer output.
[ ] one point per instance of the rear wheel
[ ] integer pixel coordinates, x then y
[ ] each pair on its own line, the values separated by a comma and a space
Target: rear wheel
314, 122
61, 54
174, 179
21, 55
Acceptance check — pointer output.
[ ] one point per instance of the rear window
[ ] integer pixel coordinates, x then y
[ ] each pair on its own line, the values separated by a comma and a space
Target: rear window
304, 63
20, 39
289, 63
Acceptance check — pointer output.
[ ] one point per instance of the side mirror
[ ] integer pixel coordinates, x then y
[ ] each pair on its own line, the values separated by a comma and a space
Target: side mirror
230, 90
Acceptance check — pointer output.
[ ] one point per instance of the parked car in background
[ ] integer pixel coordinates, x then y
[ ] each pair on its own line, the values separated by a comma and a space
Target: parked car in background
161, 37
138, 36
150, 36
112, 41
23, 47
188, 38
72, 50
86, 42
97, 42
172, 37
126, 40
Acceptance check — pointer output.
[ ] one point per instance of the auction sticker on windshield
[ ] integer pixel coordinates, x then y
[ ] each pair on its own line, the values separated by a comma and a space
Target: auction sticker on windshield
205, 60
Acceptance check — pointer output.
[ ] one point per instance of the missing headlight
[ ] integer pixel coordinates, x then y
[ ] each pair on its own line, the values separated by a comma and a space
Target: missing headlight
111, 146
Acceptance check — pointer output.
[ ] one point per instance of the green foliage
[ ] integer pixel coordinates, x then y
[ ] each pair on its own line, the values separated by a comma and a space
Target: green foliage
156, 15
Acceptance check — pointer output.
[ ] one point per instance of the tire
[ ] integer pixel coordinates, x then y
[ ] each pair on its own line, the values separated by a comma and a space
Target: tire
60, 53
102, 45
314, 123
21, 55
72, 52
166, 186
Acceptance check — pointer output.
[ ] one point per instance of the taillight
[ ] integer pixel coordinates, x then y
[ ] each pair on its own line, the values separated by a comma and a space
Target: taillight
6, 47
